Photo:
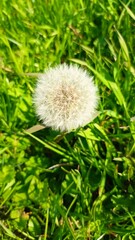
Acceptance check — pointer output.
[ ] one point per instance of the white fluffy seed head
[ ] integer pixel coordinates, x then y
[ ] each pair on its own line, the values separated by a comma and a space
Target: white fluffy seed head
65, 97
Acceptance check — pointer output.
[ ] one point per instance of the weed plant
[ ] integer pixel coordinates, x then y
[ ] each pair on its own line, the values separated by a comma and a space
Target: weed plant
80, 185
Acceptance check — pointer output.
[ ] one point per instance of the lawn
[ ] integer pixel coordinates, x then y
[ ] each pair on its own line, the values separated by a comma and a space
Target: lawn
78, 185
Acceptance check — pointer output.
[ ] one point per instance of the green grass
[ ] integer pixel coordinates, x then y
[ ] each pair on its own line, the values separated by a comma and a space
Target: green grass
81, 185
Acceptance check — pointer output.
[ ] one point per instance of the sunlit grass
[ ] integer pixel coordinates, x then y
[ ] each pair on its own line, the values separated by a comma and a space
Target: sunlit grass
78, 185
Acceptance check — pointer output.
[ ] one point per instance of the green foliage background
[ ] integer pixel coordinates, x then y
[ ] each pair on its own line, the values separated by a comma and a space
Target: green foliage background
81, 185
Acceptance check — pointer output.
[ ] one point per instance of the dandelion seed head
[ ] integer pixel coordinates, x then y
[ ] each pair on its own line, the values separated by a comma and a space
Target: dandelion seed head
65, 97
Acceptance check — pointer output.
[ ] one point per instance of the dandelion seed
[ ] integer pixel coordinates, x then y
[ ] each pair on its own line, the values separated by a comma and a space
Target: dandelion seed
65, 97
